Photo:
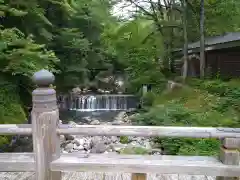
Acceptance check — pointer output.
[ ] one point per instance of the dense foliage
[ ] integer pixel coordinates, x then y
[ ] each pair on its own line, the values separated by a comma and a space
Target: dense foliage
191, 107
61, 36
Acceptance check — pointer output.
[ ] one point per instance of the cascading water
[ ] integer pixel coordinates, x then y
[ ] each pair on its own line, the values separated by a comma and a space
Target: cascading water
107, 102
102, 102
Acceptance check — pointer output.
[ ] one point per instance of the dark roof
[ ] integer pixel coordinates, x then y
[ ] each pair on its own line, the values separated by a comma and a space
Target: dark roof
227, 37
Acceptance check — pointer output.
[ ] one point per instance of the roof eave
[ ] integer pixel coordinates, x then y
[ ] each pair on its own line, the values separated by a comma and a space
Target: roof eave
211, 47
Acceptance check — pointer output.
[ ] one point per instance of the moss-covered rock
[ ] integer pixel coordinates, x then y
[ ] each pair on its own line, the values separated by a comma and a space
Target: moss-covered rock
124, 139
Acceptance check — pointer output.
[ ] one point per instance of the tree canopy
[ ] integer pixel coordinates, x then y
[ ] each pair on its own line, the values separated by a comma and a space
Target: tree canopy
82, 42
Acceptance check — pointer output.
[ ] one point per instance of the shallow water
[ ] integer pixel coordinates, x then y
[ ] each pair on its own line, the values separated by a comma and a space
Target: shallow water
78, 116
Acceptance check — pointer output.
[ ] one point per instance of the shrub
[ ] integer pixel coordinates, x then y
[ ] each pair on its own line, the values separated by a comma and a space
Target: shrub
212, 103
124, 139
228, 91
194, 111
148, 99
11, 111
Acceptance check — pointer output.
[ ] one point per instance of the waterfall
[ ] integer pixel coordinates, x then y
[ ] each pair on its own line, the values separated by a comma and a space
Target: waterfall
105, 102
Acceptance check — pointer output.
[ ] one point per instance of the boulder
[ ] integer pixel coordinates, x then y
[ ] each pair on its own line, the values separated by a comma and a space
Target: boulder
99, 148
95, 122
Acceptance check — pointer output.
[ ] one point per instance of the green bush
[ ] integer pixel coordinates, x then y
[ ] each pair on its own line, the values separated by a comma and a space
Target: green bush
229, 91
176, 113
211, 103
148, 99
11, 111
124, 139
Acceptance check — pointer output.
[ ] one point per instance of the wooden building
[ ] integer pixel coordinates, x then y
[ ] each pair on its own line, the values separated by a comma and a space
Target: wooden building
222, 56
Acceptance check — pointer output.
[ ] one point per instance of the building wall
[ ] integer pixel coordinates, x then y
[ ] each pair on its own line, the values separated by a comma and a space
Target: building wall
224, 63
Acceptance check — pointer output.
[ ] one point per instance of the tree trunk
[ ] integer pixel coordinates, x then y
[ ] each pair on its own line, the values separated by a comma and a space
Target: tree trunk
185, 48
202, 41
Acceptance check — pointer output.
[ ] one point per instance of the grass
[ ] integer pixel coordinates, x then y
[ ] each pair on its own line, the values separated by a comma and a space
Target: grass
189, 107
191, 98
134, 150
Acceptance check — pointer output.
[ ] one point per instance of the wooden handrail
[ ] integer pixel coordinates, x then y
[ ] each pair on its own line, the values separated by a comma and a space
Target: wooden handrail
192, 165
150, 131
143, 131
19, 129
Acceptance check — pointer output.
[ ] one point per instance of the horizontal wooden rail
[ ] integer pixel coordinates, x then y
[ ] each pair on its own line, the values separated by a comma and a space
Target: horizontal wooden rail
144, 131
192, 165
150, 131
20, 129
18, 162
195, 165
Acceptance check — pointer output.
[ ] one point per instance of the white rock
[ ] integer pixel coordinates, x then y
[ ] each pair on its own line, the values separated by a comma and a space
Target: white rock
121, 115
88, 119
69, 147
80, 141
87, 146
118, 147
114, 139
147, 145
94, 140
99, 148
62, 139
95, 122
78, 147
72, 124
134, 143
69, 137
76, 90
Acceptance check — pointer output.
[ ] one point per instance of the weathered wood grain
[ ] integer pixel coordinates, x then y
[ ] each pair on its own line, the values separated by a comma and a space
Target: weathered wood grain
20, 129
16, 162
231, 143
146, 164
150, 131
46, 142
101, 176
139, 176
229, 156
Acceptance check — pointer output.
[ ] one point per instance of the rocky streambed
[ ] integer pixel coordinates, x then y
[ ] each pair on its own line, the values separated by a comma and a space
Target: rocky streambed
96, 144
106, 144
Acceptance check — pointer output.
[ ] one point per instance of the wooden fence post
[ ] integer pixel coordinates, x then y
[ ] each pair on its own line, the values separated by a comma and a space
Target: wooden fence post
230, 155
45, 119
139, 176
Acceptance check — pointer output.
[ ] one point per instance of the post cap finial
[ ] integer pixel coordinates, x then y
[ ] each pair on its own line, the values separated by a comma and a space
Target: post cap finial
43, 78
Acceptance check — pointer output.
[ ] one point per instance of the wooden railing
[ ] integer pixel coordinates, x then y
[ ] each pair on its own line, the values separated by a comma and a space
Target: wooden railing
47, 162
